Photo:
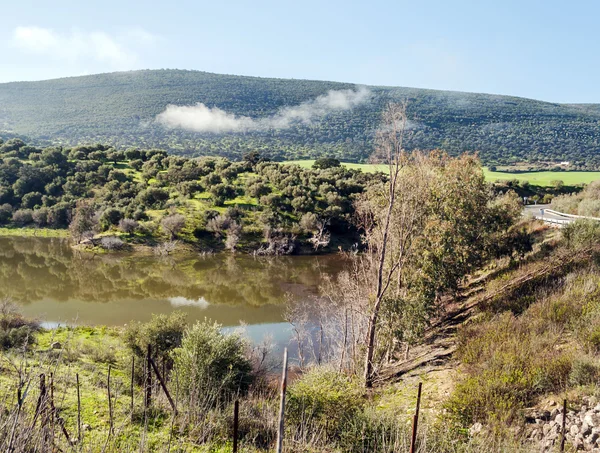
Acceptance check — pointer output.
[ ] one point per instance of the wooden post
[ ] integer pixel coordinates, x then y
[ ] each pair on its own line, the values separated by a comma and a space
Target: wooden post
41, 399
282, 402
52, 414
148, 377
413, 442
564, 423
110, 408
78, 409
131, 386
163, 385
236, 414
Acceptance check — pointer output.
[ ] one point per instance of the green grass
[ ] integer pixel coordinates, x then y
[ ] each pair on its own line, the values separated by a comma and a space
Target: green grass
538, 178
33, 232
545, 178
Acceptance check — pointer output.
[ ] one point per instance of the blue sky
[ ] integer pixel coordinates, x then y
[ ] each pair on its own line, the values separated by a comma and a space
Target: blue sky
545, 50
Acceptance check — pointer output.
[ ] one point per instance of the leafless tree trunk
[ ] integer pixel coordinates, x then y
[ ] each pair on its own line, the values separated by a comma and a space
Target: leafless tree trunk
390, 148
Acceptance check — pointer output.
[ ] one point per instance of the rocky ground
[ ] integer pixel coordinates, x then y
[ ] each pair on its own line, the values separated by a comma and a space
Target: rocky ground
582, 427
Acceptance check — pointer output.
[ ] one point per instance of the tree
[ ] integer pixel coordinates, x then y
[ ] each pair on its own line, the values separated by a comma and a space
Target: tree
173, 224
431, 223
377, 224
326, 162
84, 220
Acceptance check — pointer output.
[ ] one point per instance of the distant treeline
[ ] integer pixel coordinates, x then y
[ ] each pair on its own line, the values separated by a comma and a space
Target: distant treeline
120, 109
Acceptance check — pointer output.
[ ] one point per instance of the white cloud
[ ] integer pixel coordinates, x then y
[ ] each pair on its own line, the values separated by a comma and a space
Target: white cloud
76, 46
200, 118
179, 301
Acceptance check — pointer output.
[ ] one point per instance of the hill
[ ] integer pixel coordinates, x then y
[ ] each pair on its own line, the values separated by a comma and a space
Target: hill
270, 115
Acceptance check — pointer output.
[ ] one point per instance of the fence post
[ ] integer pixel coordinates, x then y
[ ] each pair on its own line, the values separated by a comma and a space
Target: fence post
163, 385
110, 408
236, 413
148, 377
282, 402
131, 386
564, 423
413, 442
78, 409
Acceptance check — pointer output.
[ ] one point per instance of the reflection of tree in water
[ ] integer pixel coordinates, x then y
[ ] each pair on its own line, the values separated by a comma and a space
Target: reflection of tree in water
40, 268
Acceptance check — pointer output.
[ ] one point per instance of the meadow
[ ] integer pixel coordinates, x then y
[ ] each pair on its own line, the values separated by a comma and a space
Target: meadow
538, 178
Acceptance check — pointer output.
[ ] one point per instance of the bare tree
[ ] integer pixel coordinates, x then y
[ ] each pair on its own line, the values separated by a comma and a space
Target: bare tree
390, 141
173, 224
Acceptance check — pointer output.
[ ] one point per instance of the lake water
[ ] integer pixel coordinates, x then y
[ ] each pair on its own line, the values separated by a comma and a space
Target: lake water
57, 285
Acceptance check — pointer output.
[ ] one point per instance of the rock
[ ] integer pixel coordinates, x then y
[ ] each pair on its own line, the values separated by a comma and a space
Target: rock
86, 427
552, 403
593, 420
574, 430
546, 428
554, 412
475, 429
56, 345
559, 419
585, 429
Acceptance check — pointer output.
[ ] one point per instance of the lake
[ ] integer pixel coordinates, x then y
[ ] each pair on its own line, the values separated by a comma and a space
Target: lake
58, 285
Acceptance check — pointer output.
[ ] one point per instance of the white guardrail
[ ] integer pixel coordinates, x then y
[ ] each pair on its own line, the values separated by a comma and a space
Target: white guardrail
549, 220
572, 216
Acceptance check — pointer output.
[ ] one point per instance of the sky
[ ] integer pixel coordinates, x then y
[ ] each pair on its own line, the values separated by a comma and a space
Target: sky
547, 50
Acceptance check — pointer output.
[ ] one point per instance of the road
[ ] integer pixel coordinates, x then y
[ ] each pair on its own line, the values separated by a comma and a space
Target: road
549, 217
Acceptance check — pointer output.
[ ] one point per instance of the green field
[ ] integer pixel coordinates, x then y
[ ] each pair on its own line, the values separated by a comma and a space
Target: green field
538, 178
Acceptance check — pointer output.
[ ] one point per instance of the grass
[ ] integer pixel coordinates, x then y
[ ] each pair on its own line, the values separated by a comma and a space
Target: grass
538, 178
33, 232
545, 178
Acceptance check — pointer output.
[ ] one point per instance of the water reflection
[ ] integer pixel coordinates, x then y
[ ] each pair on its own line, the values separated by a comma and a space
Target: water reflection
58, 285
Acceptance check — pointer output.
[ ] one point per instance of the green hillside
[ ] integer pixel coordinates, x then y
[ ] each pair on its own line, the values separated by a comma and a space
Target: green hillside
120, 109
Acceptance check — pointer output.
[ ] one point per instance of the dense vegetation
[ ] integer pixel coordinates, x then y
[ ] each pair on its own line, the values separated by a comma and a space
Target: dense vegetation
120, 109
150, 196
585, 203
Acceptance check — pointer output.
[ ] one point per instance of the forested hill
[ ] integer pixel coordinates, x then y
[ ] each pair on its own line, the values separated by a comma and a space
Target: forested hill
121, 109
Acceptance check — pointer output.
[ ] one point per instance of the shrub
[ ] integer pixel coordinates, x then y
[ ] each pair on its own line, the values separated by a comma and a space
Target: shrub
323, 398
509, 362
15, 330
22, 217
582, 233
5, 213
111, 243
128, 226
163, 333
584, 372
40, 217
212, 367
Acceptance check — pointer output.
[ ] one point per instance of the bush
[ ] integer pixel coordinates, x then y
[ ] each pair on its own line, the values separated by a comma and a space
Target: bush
584, 372
212, 367
582, 233
323, 398
22, 217
15, 330
128, 226
5, 213
111, 243
163, 333
509, 362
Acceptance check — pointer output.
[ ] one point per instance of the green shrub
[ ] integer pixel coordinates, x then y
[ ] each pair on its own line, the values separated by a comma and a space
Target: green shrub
509, 362
323, 399
211, 365
582, 233
584, 372
15, 330
163, 333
